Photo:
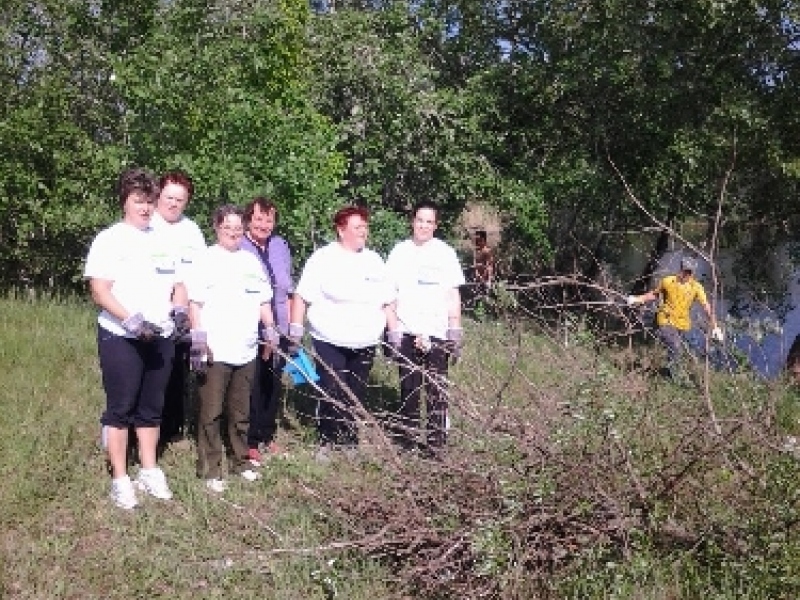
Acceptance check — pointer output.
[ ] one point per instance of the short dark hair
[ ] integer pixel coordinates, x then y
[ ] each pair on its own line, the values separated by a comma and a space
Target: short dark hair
263, 203
422, 204
344, 213
688, 264
136, 180
224, 211
178, 178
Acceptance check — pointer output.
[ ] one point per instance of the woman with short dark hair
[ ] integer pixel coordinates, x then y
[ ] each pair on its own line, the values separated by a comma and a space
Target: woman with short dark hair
228, 294
135, 280
260, 239
345, 292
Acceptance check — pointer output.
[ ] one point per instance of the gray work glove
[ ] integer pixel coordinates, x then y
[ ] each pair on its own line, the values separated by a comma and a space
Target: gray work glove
455, 340
180, 317
142, 330
270, 336
394, 339
295, 337
198, 353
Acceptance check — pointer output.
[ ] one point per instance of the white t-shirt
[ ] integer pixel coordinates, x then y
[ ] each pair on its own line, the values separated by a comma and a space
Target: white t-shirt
346, 292
424, 275
143, 269
231, 286
184, 236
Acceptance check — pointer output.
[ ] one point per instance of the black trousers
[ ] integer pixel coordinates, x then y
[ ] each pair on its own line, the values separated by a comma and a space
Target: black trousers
134, 377
173, 417
336, 422
420, 369
265, 398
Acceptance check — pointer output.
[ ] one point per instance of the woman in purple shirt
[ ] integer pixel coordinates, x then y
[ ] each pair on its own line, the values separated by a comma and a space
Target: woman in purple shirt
260, 218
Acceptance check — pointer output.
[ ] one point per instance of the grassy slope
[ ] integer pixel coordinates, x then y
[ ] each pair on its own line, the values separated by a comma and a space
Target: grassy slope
60, 538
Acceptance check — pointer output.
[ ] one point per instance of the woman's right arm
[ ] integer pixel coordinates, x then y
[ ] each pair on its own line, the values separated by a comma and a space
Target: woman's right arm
195, 314
306, 291
104, 298
102, 268
298, 309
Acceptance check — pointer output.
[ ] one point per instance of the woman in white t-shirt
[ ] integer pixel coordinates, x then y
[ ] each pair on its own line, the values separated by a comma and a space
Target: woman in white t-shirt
228, 294
136, 280
428, 275
345, 292
187, 242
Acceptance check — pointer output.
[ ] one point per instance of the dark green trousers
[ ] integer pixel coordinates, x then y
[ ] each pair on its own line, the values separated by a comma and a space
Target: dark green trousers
224, 391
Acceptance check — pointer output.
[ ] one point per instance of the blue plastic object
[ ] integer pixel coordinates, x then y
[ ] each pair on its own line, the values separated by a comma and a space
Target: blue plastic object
300, 368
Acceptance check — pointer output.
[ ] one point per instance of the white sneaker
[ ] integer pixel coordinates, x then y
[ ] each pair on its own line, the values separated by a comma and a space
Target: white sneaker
250, 475
154, 483
216, 485
122, 493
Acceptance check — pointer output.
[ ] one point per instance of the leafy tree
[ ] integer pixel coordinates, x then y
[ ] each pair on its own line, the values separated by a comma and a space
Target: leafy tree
229, 104
219, 90
407, 136
668, 93
538, 108
54, 134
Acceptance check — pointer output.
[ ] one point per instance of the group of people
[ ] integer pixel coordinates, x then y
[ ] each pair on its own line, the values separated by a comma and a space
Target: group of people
230, 313
350, 297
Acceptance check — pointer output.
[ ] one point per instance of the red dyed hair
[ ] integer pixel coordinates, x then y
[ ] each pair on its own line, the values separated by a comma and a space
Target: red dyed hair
344, 213
178, 178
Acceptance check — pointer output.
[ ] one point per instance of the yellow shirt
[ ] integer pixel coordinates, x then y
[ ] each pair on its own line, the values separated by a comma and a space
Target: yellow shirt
676, 301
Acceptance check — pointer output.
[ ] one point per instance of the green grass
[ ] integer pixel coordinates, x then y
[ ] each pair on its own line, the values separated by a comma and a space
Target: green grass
537, 424
61, 538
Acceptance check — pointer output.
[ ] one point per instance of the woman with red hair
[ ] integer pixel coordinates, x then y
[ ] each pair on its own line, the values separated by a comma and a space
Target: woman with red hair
346, 294
187, 242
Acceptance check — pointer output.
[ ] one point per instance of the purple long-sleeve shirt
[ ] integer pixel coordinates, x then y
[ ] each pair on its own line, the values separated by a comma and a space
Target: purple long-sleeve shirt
276, 258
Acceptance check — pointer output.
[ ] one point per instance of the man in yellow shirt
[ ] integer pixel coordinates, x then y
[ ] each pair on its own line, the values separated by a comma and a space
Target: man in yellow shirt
678, 293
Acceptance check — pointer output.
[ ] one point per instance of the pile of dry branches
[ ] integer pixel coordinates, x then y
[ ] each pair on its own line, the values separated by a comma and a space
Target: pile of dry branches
556, 452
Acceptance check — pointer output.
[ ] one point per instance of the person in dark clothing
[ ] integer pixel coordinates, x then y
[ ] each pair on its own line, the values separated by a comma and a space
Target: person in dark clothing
260, 218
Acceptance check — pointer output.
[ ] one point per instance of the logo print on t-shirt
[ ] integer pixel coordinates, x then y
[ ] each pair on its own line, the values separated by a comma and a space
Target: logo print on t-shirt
428, 275
164, 262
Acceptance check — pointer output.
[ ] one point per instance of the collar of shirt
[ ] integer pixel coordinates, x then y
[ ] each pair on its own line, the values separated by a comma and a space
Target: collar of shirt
248, 243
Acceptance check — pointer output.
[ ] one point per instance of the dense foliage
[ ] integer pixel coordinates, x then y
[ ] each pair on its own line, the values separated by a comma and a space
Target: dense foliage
218, 90
542, 110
